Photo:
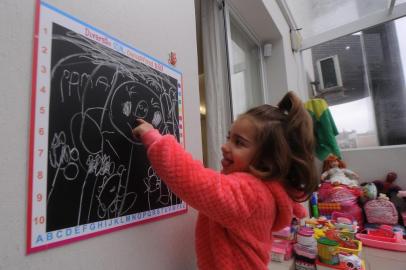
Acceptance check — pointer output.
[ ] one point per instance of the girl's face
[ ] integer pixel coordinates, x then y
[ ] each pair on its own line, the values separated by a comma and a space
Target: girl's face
240, 148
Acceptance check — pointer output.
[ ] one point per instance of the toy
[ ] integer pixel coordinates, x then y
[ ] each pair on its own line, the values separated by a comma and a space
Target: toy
318, 233
281, 250
338, 193
285, 233
326, 208
369, 191
344, 221
335, 171
400, 204
341, 266
383, 237
320, 222
393, 192
350, 261
172, 58
313, 205
402, 193
340, 199
305, 237
388, 186
309, 252
381, 211
304, 265
327, 250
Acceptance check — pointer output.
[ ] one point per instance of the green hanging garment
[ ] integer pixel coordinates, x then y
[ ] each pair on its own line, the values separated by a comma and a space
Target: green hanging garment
325, 129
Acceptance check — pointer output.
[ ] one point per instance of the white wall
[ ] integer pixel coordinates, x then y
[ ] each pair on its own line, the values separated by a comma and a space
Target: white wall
153, 26
375, 163
283, 72
266, 21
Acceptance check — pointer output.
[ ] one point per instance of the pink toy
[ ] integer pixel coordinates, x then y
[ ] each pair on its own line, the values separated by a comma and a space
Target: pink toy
285, 233
381, 211
383, 238
309, 252
305, 237
344, 221
402, 193
376, 241
281, 249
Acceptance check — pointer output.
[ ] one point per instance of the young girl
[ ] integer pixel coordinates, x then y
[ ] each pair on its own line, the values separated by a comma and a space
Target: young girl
267, 166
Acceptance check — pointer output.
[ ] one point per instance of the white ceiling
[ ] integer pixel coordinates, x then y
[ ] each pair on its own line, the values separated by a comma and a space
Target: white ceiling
256, 16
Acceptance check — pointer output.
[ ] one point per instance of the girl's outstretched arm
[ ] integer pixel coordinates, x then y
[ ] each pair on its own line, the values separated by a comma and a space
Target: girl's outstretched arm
225, 198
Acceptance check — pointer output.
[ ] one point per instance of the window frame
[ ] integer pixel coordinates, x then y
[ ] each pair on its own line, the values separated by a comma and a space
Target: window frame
229, 11
356, 26
393, 13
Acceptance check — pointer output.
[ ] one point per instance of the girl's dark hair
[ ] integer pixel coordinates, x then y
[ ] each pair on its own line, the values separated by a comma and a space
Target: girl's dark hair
286, 145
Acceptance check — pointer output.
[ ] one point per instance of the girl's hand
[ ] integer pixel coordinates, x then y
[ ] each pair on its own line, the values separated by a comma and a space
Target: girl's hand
142, 127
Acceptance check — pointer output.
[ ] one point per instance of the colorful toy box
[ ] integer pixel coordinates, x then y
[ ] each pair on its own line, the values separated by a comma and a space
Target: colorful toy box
282, 249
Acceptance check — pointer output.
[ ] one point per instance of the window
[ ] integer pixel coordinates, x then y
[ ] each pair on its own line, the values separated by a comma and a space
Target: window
329, 72
315, 17
245, 66
369, 105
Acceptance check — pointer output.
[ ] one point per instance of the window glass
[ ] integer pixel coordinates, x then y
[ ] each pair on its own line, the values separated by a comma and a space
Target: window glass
369, 105
244, 70
398, 2
318, 16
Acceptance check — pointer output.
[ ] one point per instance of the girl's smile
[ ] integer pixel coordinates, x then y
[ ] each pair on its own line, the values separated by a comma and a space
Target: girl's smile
240, 148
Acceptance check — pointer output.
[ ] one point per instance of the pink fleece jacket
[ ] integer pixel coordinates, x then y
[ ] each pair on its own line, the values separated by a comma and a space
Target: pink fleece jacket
237, 212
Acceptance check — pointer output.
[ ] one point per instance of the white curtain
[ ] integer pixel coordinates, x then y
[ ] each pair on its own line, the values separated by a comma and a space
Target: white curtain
218, 110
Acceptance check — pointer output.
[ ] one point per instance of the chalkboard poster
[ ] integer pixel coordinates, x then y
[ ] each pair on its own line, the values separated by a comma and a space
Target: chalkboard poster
87, 174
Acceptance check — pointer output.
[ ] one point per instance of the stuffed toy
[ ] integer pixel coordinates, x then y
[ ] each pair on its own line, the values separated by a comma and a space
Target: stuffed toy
335, 172
388, 186
400, 203
339, 190
369, 192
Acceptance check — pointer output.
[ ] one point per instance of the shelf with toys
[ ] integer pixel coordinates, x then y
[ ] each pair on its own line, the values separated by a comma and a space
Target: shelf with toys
349, 221
348, 216
335, 245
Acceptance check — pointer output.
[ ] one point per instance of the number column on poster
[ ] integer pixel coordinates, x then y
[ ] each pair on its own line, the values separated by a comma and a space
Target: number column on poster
39, 196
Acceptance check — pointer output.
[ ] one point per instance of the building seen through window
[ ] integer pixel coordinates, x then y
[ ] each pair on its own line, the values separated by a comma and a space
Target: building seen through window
362, 78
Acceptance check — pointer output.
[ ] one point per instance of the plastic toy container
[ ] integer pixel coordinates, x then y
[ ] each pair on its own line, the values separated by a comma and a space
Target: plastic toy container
305, 236
327, 251
355, 251
344, 221
284, 233
282, 249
